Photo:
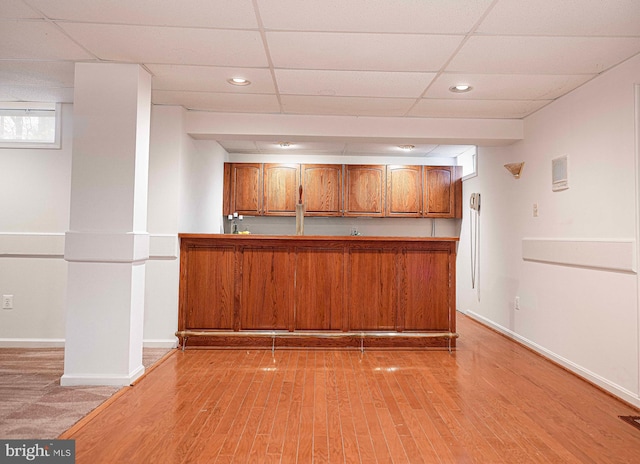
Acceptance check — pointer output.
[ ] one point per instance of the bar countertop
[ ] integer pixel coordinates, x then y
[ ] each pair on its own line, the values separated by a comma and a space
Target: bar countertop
319, 238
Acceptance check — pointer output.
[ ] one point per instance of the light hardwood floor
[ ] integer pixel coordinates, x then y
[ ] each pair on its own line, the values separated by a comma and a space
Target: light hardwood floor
490, 401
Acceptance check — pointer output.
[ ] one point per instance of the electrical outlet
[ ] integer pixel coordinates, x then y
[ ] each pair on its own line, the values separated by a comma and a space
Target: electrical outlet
535, 210
7, 301
516, 303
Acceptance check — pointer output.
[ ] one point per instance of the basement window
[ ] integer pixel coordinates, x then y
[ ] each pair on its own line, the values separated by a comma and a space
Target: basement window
29, 125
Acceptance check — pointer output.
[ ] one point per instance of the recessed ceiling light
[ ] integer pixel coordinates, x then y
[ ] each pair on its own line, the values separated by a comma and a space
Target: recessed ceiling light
285, 144
406, 147
461, 88
238, 81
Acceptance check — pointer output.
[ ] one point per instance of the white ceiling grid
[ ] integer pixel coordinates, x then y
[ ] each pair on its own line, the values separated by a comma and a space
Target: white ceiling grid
387, 58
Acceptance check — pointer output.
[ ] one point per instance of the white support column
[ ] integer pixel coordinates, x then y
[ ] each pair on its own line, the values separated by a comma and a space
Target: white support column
107, 245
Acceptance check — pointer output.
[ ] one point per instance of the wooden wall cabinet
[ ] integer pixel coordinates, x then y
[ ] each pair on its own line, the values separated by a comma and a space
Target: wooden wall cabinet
243, 189
404, 191
281, 183
322, 189
442, 191
364, 190
424, 191
271, 189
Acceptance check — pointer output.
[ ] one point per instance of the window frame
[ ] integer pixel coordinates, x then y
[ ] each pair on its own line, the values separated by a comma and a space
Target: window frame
35, 106
473, 153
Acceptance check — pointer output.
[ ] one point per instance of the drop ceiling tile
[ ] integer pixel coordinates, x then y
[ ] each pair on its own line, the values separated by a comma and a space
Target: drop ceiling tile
224, 102
16, 9
566, 18
506, 86
34, 40
542, 55
210, 78
345, 106
436, 108
173, 45
237, 14
44, 73
352, 83
363, 52
438, 17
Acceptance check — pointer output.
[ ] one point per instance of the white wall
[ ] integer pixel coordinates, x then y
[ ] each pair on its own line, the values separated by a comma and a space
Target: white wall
34, 192
34, 201
202, 183
573, 308
163, 267
185, 195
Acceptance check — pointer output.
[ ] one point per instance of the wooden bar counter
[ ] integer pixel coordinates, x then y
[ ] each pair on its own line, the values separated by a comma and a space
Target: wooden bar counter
317, 291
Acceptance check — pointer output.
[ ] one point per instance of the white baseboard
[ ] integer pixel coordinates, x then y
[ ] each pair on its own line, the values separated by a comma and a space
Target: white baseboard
110, 380
160, 343
616, 390
31, 342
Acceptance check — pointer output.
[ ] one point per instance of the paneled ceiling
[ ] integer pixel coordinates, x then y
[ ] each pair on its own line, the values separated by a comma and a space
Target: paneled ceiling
388, 58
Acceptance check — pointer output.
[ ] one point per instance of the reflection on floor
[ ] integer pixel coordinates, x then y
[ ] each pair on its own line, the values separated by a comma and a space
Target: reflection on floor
33, 405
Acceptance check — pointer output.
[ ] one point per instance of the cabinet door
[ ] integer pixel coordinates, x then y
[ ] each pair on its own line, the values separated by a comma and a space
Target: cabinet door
245, 189
372, 289
322, 189
209, 288
226, 190
404, 191
266, 298
281, 182
364, 190
425, 290
319, 289
439, 191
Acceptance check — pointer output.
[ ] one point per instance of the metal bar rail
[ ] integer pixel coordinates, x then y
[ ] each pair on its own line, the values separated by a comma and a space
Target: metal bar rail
185, 334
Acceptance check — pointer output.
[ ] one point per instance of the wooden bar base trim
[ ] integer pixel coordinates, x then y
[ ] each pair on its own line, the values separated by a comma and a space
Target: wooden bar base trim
273, 339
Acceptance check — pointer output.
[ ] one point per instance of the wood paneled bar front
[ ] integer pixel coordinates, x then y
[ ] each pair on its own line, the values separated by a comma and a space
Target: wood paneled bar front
317, 291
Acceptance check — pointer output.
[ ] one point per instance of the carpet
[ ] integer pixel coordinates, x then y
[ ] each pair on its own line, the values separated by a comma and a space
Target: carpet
32, 402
